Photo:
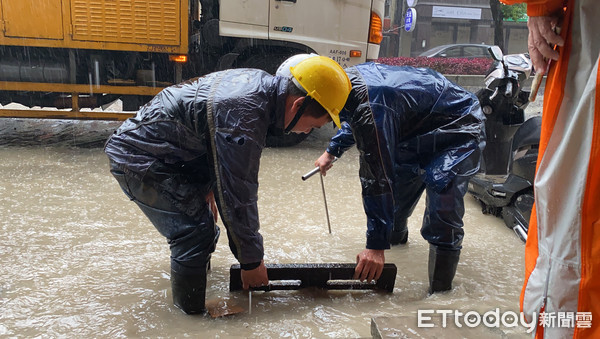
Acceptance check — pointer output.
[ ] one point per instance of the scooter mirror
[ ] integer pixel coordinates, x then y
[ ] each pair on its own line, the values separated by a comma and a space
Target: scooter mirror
496, 53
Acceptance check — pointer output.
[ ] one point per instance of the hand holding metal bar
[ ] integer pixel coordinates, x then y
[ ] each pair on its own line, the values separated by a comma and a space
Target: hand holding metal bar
537, 79
310, 174
315, 170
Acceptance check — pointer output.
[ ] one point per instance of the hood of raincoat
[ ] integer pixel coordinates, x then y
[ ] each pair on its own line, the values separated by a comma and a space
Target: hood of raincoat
202, 135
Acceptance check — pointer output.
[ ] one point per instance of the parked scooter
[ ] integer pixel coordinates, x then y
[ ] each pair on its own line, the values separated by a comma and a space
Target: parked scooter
504, 185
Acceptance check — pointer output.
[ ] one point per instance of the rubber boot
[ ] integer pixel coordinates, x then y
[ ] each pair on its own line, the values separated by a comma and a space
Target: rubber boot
399, 234
189, 289
442, 268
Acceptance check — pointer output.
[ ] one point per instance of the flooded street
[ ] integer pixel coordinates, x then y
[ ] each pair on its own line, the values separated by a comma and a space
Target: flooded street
80, 260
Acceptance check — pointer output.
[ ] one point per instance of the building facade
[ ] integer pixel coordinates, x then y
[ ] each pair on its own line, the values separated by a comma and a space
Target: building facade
441, 22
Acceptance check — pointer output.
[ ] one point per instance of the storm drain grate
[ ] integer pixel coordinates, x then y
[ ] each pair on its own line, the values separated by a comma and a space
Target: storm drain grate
326, 276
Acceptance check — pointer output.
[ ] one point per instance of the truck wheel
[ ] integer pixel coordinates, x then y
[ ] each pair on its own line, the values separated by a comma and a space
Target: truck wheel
270, 62
266, 61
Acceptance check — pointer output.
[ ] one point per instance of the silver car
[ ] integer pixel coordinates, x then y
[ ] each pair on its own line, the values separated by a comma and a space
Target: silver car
458, 51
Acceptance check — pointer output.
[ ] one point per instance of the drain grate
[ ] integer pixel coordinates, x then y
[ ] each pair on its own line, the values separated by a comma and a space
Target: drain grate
326, 276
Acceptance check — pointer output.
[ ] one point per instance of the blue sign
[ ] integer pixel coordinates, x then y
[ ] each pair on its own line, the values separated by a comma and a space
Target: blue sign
410, 19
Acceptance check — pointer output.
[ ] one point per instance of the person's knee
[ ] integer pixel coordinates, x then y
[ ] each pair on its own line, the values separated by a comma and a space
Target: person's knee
444, 237
193, 249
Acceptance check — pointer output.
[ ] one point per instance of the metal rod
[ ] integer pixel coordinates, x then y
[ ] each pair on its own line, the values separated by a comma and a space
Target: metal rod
279, 285
315, 171
249, 302
325, 201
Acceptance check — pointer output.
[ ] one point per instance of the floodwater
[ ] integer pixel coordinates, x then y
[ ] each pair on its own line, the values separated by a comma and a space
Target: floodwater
78, 259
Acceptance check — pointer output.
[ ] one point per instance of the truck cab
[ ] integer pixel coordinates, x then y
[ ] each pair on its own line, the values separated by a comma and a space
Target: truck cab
89, 53
264, 32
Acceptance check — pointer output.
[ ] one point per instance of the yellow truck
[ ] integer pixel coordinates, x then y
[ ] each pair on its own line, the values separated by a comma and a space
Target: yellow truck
88, 53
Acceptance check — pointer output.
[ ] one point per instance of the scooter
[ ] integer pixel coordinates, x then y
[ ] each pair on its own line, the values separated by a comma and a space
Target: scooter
504, 184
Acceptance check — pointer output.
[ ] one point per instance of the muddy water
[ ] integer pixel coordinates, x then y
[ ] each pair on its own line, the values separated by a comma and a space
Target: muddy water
79, 260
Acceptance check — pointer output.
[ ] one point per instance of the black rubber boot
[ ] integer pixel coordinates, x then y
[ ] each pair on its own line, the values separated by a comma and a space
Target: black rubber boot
442, 268
399, 234
189, 289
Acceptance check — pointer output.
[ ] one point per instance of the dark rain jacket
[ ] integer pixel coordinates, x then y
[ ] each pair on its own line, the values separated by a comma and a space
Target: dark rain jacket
392, 111
202, 135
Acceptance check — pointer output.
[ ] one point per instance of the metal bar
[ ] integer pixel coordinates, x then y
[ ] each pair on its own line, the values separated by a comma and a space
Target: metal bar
325, 201
327, 276
311, 173
315, 171
77, 88
52, 114
279, 285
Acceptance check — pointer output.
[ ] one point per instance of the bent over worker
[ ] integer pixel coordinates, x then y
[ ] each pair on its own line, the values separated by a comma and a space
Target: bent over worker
415, 131
207, 135
562, 266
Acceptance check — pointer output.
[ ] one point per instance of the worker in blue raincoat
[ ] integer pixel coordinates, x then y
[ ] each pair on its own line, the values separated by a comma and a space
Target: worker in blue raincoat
201, 141
415, 131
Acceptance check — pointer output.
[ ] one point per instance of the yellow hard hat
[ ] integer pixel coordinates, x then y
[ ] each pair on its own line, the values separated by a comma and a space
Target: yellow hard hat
325, 81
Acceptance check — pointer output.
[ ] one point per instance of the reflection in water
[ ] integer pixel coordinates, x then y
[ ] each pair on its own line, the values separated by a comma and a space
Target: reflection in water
79, 259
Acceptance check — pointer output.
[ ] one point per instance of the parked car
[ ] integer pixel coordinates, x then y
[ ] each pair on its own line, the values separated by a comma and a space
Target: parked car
458, 51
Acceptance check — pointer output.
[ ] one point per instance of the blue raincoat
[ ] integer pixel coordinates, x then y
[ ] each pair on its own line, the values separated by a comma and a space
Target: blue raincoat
415, 130
205, 135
